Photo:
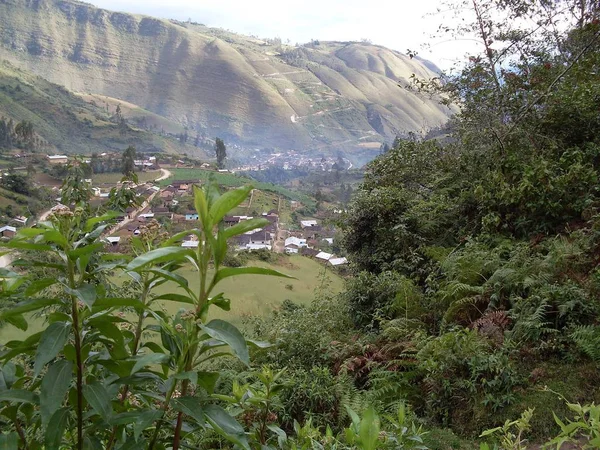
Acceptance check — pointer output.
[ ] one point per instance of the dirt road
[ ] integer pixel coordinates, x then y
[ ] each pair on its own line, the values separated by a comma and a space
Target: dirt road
164, 175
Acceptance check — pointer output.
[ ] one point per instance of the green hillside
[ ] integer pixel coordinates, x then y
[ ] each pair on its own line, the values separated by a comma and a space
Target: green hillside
324, 95
66, 122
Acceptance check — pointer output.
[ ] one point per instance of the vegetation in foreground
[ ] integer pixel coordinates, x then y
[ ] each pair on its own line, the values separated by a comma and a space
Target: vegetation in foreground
473, 312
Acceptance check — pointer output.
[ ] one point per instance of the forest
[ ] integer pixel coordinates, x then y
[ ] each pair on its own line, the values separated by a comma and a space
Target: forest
471, 317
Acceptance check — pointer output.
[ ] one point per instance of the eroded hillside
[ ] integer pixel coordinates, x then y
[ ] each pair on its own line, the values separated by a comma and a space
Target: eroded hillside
323, 95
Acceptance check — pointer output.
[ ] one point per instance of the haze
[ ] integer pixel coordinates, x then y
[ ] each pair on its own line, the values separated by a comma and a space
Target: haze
399, 25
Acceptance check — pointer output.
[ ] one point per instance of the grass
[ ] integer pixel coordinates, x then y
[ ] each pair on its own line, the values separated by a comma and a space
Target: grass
259, 295
233, 180
249, 294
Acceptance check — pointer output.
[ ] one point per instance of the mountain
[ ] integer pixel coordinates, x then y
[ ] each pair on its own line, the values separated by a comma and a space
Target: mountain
66, 123
320, 95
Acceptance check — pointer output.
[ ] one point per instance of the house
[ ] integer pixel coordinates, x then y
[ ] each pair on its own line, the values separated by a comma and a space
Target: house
309, 252
135, 229
242, 240
231, 220
58, 159
294, 244
273, 218
260, 237
130, 212
191, 215
329, 240
184, 185
161, 211
7, 231
146, 216
308, 223
324, 256
252, 246
20, 220
114, 240
167, 194
338, 261
190, 244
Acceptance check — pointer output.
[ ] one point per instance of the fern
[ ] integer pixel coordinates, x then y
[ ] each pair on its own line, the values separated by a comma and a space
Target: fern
587, 339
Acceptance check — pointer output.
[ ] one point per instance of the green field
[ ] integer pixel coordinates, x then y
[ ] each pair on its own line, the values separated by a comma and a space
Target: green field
249, 294
233, 180
114, 178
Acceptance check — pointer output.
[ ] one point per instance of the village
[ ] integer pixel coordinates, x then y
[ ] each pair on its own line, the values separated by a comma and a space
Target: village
171, 205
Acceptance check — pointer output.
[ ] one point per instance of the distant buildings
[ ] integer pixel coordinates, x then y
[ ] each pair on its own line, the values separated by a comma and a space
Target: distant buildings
58, 159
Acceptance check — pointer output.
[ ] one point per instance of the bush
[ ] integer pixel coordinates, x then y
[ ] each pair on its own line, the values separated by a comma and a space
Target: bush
371, 297
463, 377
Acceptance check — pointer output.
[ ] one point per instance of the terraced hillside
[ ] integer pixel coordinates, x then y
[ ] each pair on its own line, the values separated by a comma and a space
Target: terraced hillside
322, 95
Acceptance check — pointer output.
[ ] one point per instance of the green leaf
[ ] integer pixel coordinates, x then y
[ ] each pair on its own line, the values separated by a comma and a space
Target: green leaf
244, 226
369, 430
28, 306
52, 235
208, 380
9, 441
146, 360
228, 333
190, 406
38, 285
221, 302
227, 202
52, 341
56, 429
201, 205
90, 223
84, 250
191, 375
233, 271
24, 245
171, 276
19, 396
141, 420
18, 321
86, 293
157, 256
55, 385
225, 425
98, 398
175, 298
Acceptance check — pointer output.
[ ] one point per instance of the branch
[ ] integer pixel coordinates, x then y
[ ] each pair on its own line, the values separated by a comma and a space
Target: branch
548, 91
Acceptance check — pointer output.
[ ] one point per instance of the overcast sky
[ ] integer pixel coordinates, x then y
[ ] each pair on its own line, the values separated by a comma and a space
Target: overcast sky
398, 24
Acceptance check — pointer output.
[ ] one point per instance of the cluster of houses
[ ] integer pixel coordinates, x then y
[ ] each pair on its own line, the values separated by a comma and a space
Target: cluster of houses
307, 243
261, 238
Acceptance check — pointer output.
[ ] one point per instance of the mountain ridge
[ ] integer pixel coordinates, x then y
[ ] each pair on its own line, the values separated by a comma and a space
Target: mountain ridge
320, 95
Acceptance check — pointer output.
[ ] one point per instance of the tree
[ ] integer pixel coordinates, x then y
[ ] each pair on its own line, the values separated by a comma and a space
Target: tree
221, 152
128, 161
121, 120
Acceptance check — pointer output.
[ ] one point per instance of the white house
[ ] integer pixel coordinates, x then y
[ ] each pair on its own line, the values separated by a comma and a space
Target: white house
324, 256
7, 231
189, 244
293, 244
338, 261
308, 223
252, 246
58, 159
114, 240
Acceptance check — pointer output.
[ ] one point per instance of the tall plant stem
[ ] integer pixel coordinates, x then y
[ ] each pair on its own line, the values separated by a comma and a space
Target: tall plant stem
177, 437
78, 356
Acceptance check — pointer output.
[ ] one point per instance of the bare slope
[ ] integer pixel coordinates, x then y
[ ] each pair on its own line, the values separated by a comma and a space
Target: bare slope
67, 123
325, 95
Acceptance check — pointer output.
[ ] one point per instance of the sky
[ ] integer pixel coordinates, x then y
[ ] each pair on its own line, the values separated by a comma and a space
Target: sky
397, 24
